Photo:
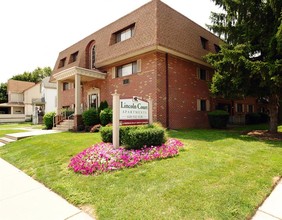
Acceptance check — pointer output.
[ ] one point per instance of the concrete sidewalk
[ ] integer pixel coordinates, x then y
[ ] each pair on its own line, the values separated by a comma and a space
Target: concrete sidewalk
21, 197
271, 209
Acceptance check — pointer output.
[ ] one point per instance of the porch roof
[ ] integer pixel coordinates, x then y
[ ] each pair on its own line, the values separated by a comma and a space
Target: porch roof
86, 74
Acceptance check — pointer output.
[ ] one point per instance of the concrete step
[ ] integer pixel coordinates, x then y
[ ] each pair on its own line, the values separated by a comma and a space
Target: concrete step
65, 125
12, 136
6, 140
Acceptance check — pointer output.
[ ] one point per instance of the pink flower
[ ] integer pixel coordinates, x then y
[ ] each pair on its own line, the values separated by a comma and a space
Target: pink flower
103, 157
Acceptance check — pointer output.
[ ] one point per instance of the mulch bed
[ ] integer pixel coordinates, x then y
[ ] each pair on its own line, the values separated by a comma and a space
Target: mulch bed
264, 135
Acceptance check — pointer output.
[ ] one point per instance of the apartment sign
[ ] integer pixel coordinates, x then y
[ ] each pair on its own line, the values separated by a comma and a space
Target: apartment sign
134, 111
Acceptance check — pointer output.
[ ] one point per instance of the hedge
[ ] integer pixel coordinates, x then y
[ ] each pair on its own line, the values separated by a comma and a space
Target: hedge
136, 137
218, 119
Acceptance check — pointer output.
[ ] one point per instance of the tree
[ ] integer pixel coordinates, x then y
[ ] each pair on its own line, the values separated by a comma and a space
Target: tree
35, 76
3, 93
250, 63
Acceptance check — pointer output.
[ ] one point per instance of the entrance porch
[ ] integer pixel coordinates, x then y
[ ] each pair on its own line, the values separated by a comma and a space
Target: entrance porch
77, 76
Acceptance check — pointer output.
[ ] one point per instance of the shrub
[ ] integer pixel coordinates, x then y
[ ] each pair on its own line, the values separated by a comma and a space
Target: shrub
103, 105
218, 119
136, 137
107, 134
48, 119
90, 117
252, 118
106, 116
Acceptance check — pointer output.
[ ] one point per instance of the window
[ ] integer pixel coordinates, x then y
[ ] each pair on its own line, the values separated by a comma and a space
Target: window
124, 34
93, 100
203, 105
239, 107
73, 57
93, 57
66, 86
62, 62
250, 108
204, 42
127, 69
216, 48
202, 74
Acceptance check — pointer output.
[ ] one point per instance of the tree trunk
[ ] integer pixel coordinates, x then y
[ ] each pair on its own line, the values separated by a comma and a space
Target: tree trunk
273, 113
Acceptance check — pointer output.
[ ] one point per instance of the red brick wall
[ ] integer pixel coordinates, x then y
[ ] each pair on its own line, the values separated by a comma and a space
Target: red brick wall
67, 97
184, 90
183, 85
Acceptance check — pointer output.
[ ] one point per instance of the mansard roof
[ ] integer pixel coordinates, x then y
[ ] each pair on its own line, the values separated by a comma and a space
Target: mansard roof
156, 27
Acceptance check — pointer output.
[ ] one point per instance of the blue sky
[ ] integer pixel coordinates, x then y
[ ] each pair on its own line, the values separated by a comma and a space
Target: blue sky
33, 32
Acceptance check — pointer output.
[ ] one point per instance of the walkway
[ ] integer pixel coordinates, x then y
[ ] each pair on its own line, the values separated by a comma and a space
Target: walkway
21, 197
271, 209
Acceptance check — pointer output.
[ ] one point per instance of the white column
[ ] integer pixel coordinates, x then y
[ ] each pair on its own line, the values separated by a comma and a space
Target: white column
77, 109
59, 92
150, 102
116, 119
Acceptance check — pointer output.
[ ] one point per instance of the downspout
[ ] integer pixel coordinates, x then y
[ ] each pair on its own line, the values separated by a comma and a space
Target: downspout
167, 90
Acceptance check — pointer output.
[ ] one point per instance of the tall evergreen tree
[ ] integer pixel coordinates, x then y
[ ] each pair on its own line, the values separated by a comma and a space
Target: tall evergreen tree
250, 63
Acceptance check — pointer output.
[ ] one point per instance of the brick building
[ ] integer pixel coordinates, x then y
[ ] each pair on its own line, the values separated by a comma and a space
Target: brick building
153, 51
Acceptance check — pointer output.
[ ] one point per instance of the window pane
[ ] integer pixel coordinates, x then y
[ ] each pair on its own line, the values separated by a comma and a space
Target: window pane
93, 57
203, 74
127, 69
203, 105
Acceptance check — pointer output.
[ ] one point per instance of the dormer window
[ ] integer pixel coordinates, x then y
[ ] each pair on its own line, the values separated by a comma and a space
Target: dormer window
93, 57
204, 43
62, 62
73, 57
125, 33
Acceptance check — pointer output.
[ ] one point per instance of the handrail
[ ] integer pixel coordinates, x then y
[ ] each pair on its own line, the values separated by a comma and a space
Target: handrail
69, 119
60, 118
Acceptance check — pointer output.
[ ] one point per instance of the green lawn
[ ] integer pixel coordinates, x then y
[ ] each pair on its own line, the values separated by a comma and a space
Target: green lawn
10, 128
219, 175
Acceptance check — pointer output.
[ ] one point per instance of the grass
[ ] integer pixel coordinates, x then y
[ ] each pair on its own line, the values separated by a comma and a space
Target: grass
10, 128
219, 175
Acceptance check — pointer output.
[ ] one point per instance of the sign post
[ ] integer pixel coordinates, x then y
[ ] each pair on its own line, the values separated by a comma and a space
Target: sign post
133, 111
116, 107
150, 116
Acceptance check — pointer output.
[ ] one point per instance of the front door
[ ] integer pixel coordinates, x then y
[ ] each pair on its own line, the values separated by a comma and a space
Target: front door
93, 100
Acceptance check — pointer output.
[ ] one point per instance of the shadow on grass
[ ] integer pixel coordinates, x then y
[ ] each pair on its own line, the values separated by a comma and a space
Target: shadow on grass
212, 135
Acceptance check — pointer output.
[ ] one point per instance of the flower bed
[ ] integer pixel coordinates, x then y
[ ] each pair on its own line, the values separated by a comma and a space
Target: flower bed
103, 157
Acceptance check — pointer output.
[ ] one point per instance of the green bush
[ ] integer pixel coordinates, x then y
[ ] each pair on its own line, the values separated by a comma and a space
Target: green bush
218, 119
107, 134
136, 137
103, 105
106, 116
252, 118
48, 119
90, 117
